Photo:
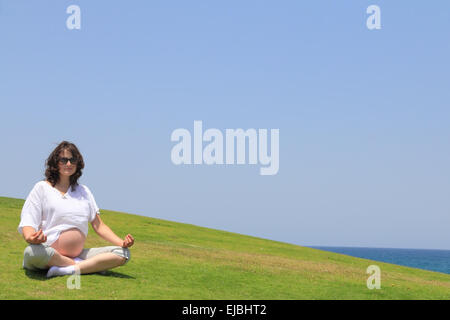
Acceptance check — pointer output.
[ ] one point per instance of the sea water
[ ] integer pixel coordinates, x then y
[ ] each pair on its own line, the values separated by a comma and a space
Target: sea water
428, 259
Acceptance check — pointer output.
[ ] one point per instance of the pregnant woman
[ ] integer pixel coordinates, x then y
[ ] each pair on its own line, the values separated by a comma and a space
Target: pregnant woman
54, 221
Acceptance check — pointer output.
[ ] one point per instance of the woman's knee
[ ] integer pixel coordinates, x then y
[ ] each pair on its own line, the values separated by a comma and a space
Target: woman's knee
37, 256
124, 253
28, 252
35, 251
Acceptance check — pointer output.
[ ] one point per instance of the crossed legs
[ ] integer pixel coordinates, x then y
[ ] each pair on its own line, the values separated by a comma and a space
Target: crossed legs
100, 262
39, 256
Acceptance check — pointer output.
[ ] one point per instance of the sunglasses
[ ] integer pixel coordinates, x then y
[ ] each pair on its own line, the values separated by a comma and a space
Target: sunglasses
65, 160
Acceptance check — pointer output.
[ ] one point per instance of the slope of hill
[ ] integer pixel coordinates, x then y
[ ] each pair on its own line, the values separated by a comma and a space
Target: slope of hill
180, 261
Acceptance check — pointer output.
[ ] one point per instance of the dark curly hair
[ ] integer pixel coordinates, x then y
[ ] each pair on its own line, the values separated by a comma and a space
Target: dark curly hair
52, 170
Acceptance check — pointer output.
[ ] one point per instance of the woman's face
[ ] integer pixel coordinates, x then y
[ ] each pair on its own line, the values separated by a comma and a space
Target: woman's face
69, 168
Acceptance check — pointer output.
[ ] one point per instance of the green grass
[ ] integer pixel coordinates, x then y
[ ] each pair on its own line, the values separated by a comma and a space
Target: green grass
180, 261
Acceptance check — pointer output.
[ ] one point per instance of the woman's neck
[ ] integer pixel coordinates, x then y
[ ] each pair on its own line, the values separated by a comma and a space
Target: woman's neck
63, 182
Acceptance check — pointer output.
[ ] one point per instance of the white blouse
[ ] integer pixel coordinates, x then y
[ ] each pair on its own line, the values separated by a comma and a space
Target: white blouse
47, 209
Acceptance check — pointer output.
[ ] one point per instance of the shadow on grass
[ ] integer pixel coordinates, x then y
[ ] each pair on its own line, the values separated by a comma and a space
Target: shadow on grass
109, 273
42, 274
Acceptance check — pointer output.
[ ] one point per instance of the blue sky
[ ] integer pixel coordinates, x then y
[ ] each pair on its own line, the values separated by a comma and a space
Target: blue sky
363, 114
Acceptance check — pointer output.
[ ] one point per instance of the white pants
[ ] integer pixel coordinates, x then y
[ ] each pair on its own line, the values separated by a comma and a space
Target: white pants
37, 256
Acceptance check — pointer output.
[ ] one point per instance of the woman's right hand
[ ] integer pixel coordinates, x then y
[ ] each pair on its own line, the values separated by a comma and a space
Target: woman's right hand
37, 237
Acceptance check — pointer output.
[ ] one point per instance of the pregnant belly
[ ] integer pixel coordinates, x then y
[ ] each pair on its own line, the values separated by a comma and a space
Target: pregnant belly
70, 243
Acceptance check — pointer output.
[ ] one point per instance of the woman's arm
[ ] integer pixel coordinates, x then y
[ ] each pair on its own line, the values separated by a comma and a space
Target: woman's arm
107, 234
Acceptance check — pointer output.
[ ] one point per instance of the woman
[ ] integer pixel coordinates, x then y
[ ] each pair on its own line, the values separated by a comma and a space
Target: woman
54, 221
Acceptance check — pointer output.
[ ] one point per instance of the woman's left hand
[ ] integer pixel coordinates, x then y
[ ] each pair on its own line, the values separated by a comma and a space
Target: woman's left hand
128, 241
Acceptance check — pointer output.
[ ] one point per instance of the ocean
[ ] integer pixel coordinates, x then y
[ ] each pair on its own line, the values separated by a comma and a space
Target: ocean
434, 260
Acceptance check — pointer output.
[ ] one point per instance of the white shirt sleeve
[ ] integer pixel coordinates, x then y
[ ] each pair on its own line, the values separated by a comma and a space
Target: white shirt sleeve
93, 205
32, 210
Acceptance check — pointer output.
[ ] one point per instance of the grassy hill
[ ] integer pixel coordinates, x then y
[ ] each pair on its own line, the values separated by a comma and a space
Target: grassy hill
180, 261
